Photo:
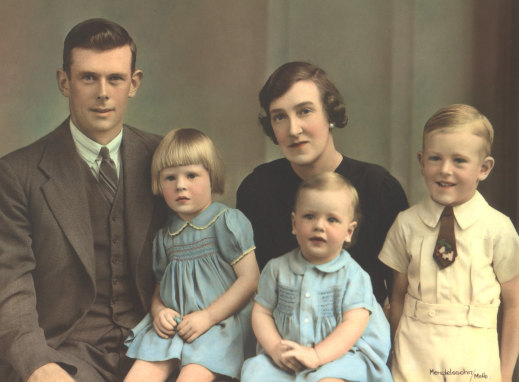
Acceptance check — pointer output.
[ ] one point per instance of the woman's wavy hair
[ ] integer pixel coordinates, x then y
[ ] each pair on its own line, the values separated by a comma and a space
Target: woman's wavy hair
287, 75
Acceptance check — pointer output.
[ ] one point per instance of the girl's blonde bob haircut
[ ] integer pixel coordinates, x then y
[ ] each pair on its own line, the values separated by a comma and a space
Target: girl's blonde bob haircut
332, 181
459, 116
184, 147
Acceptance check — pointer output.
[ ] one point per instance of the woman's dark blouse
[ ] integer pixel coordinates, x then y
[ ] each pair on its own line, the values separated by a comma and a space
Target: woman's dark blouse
266, 197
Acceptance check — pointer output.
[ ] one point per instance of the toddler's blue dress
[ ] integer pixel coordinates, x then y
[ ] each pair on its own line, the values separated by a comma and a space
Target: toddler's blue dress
193, 261
307, 302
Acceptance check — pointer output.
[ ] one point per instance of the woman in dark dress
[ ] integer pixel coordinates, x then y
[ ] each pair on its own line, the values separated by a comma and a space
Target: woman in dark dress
301, 108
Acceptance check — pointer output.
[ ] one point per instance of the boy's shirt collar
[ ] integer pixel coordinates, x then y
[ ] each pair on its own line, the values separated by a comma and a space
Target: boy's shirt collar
465, 214
298, 264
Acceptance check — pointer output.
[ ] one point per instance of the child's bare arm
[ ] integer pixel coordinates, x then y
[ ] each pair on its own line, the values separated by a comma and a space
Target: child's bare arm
338, 342
241, 291
268, 336
163, 317
510, 328
400, 284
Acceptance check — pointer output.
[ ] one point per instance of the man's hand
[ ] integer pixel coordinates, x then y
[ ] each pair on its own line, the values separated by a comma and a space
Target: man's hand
50, 372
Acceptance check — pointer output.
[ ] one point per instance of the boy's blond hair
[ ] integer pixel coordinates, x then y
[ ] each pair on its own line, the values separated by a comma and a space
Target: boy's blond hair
332, 181
461, 116
184, 147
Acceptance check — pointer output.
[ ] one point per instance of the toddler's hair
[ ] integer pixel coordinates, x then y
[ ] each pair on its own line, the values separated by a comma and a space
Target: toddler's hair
461, 116
184, 147
332, 181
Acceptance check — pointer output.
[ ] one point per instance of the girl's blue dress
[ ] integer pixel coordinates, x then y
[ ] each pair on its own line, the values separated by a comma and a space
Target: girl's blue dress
307, 303
193, 261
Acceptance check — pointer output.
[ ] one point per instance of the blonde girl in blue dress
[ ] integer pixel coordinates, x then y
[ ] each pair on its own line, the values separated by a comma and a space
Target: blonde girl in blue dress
205, 268
315, 315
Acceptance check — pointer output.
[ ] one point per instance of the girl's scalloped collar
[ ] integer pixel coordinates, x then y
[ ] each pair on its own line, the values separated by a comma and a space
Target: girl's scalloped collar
200, 222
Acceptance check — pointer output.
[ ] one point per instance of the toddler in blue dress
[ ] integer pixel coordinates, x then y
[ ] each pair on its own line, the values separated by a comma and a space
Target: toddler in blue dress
204, 263
315, 315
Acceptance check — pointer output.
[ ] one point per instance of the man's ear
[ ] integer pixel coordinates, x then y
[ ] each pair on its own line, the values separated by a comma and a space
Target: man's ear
63, 82
293, 215
136, 82
486, 166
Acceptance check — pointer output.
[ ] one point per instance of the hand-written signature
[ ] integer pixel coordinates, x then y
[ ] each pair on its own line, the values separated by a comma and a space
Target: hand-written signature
472, 373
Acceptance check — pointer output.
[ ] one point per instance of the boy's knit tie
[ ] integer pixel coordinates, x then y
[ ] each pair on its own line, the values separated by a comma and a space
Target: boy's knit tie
445, 250
107, 175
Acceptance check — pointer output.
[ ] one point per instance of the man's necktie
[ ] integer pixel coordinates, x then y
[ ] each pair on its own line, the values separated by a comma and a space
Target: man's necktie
107, 175
445, 250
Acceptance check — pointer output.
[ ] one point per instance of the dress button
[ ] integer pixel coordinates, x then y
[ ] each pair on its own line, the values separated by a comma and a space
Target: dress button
307, 295
306, 320
431, 313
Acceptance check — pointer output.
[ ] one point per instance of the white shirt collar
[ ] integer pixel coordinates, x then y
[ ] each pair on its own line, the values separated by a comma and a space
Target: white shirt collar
88, 149
466, 214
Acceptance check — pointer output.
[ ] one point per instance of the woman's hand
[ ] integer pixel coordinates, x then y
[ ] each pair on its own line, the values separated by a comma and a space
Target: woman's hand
306, 356
194, 325
164, 322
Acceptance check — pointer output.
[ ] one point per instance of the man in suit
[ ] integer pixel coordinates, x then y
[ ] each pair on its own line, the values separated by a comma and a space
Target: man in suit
77, 222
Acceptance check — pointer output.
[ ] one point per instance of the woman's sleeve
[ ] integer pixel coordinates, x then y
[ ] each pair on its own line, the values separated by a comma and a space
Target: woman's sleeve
391, 201
245, 199
252, 203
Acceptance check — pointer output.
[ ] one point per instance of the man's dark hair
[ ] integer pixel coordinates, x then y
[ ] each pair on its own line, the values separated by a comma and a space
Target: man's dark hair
97, 34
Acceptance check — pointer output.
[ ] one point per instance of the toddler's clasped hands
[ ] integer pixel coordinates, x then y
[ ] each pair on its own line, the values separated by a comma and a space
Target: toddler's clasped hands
167, 322
293, 357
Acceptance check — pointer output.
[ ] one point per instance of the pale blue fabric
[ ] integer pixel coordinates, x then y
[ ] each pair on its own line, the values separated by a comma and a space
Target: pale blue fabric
307, 302
193, 261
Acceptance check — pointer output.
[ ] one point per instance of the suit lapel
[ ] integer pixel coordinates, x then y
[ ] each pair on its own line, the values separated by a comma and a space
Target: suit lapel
66, 194
138, 199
